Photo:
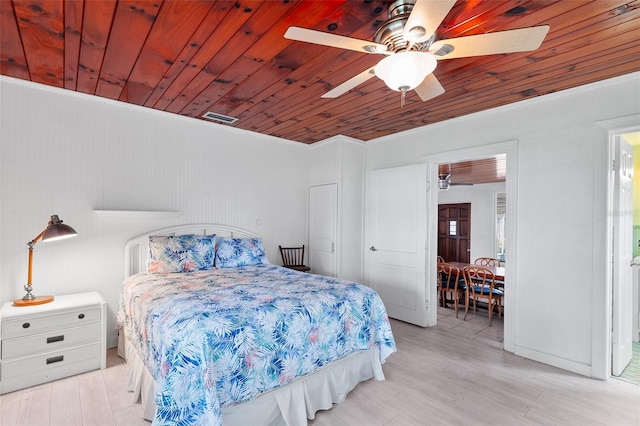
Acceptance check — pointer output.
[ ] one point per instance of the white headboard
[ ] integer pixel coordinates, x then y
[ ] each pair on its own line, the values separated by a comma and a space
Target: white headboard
136, 251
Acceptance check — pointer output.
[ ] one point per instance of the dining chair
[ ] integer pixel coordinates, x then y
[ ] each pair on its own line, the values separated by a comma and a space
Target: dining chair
490, 261
451, 281
293, 258
438, 278
480, 284
487, 261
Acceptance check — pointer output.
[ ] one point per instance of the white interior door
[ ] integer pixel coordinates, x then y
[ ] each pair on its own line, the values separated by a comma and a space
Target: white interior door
395, 240
622, 254
323, 220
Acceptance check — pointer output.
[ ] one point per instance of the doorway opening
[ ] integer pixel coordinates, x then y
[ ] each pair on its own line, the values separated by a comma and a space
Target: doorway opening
613, 301
471, 205
483, 245
625, 359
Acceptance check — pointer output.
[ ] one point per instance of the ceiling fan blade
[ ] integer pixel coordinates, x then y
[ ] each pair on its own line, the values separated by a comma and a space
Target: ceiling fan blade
426, 15
333, 40
350, 84
520, 40
429, 88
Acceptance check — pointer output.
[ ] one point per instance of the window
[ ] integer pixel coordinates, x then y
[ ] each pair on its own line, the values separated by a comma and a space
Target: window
501, 216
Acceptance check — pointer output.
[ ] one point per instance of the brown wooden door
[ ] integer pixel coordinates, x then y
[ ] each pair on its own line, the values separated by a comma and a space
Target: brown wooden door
454, 232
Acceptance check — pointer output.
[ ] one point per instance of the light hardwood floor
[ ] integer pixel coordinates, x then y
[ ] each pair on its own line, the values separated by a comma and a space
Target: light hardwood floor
94, 398
454, 373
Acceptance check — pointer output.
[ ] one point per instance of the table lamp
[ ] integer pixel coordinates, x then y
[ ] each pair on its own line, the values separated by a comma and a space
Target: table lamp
55, 230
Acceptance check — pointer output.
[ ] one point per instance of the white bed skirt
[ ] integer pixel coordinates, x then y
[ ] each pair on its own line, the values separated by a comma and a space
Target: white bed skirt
289, 405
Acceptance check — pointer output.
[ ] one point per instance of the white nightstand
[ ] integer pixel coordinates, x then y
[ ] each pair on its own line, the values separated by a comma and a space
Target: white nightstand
48, 342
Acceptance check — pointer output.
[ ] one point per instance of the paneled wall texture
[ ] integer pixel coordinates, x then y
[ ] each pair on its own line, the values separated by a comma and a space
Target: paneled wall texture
71, 154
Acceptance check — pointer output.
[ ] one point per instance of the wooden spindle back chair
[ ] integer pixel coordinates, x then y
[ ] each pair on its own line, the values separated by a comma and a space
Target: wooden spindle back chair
293, 258
480, 284
451, 282
487, 261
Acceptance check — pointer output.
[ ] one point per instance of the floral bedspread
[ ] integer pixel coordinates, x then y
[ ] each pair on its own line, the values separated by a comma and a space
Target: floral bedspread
215, 338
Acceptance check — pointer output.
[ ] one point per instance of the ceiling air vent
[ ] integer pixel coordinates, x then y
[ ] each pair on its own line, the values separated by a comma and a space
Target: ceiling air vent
219, 117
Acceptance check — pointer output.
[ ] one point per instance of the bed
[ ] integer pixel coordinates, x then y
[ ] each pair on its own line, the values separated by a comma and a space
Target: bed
215, 334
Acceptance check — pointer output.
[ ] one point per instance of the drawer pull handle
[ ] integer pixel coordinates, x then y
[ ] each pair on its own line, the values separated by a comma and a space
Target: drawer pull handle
81, 316
55, 359
26, 325
55, 339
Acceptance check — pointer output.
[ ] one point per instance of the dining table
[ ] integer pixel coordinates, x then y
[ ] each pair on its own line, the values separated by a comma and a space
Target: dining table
498, 271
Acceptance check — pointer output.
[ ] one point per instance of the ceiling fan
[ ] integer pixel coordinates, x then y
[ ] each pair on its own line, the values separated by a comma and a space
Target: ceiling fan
408, 39
444, 178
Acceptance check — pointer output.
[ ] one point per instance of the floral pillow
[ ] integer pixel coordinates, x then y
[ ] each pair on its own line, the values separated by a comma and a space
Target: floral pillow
180, 253
234, 252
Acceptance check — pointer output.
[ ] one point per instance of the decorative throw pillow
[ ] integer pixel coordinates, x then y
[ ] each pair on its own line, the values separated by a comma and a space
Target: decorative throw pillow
234, 252
180, 253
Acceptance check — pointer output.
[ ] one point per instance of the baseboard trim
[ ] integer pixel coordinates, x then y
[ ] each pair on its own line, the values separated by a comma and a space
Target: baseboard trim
555, 361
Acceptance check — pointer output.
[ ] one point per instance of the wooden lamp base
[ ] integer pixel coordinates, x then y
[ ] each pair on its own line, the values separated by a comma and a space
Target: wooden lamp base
40, 300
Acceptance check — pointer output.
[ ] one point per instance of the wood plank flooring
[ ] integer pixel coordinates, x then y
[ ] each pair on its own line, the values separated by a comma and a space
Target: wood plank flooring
453, 374
94, 398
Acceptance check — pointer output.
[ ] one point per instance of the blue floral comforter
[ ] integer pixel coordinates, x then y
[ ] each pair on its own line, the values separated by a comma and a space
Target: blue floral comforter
216, 338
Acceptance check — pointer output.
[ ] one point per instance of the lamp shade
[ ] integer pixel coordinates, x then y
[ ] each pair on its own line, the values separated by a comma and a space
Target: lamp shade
405, 70
56, 230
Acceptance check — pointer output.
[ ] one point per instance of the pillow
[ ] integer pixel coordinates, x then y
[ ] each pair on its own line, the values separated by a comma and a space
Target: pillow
234, 252
180, 253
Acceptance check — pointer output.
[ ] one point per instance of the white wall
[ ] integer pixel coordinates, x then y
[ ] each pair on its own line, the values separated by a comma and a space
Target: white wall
483, 214
352, 210
68, 154
557, 204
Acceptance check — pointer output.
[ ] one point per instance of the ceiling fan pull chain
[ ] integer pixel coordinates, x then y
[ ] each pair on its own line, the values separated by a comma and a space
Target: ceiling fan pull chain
403, 96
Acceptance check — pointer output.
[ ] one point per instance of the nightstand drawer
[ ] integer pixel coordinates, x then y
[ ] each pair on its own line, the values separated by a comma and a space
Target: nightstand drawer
40, 323
51, 341
62, 361
30, 371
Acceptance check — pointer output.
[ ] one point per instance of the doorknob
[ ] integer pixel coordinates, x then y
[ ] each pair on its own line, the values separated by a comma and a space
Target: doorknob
372, 248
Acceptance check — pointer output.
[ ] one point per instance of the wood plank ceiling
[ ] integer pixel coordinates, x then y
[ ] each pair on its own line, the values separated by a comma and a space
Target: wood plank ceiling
485, 170
230, 57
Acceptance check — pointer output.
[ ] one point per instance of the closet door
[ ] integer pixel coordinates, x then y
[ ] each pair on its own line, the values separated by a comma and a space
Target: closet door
323, 224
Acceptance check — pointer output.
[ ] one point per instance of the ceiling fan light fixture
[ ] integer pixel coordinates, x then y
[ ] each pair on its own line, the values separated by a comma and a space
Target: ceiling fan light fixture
444, 183
405, 70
